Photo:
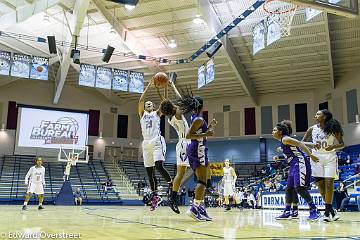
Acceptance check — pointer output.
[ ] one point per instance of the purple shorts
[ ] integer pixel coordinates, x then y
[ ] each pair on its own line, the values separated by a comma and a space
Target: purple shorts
197, 154
299, 173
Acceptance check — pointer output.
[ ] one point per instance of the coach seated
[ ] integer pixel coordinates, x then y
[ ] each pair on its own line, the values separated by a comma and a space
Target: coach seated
78, 197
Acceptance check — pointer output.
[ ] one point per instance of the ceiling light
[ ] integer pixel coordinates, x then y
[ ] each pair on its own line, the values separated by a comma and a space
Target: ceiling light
129, 7
197, 19
172, 43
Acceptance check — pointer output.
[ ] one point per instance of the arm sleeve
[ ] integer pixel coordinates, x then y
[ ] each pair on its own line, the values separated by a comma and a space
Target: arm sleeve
28, 175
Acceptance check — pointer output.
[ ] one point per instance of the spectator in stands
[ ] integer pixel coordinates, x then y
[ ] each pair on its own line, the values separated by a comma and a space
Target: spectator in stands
340, 172
251, 199
279, 186
348, 160
78, 197
141, 185
358, 159
278, 176
340, 194
108, 185
267, 184
147, 196
356, 170
345, 202
258, 198
273, 188
341, 160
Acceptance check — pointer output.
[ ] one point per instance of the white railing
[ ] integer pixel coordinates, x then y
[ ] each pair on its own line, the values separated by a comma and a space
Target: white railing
353, 179
124, 180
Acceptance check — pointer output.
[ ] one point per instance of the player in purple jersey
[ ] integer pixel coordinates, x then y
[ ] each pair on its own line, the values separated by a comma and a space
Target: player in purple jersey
299, 171
197, 151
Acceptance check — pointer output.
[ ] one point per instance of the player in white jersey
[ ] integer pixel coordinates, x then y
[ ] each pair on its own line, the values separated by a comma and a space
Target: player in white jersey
229, 180
153, 145
178, 122
327, 137
35, 181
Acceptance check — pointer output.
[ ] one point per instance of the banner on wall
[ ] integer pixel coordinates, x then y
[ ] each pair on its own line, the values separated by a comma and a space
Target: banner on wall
136, 82
311, 13
46, 128
5, 63
21, 65
87, 75
217, 169
120, 80
210, 71
258, 37
39, 68
103, 77
201, 76
277, 200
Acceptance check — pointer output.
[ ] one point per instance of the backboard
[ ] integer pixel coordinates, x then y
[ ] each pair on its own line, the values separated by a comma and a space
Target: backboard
346, 8
73, 154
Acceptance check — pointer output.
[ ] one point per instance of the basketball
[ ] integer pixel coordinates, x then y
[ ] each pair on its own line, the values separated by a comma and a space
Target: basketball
39, 68
161, 79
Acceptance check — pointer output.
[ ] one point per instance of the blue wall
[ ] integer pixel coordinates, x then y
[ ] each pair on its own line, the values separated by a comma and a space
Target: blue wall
236, 150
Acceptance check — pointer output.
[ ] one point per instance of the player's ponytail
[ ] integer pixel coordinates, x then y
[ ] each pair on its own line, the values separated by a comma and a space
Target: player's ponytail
331, 125
189, 103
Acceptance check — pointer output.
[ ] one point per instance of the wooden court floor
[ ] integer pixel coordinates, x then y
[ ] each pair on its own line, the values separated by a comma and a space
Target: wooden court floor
115, 222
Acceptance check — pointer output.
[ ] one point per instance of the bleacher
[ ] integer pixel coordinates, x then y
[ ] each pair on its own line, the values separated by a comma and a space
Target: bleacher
348, 170
244, 173
88, 177
136, 172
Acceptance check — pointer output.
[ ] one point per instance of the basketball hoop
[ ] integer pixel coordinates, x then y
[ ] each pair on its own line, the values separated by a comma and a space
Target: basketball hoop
73, 159
281, 13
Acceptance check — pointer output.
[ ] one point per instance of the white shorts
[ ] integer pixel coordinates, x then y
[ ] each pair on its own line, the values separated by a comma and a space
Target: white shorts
153, 150
327, 167
36, 188
228, 189
181, 155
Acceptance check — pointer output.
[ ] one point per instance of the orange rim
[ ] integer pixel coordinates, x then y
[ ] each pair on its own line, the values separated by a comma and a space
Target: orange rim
273, 12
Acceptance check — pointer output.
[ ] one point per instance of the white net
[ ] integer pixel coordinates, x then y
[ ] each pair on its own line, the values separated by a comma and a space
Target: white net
282, 13
73, 158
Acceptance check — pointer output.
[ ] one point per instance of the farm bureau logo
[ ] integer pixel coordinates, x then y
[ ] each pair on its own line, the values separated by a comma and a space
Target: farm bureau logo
63, 131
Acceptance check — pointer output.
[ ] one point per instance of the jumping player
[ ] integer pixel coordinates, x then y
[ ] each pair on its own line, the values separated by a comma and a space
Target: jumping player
324, 135
153, 146
35, 181
197, 151
299, 171
179, 123
229, 180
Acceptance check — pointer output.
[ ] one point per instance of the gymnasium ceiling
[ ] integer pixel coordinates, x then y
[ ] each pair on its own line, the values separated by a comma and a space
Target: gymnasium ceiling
317, 53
